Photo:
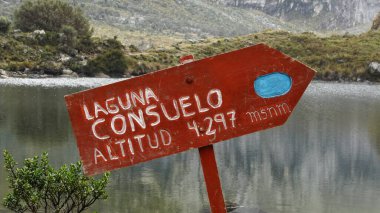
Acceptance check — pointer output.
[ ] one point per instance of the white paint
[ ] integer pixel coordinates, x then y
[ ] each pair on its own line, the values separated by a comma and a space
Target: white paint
87, 114
111, 156
111, 108
138, 97
138, 138
264, 113
184, 105
98, 153
138, 119
176, 116
123, 124
279, 108
218, 93
150, 141
194, 127
253, 115
200, 109
169, 137
98, 109
94, 132
219, 118
149, 112
209, 130
131, 146
128, 104
150, 94
120, 143
233, 117
269, 112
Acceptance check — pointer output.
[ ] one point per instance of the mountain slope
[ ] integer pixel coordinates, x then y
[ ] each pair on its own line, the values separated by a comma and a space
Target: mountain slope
319, 14
188, 17
191, 18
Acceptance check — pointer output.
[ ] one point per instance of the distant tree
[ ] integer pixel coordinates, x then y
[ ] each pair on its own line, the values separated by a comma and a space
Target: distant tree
4, 25
38, 187
50, 15
376, 22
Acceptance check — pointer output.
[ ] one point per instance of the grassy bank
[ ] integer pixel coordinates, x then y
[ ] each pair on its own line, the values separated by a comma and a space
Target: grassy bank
47, 54
344, 57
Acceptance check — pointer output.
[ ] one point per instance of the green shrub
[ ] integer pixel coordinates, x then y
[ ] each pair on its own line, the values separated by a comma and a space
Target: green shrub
133, 48
112, 43
74, 64
50, 67
87, 45
38, 187
112, 62
5, 25
18, 66
50, 15
69, 36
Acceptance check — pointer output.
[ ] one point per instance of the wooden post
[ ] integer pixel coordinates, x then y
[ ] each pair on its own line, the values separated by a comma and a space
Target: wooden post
210, 168
210, 172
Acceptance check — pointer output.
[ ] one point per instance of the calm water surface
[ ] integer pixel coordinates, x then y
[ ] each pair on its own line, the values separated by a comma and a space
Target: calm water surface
326, 158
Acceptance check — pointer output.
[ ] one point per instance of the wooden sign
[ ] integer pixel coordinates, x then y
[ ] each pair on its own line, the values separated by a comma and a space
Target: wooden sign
185, 107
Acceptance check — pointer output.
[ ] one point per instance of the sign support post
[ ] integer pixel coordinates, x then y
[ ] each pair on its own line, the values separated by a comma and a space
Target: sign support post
209, 168
211, 175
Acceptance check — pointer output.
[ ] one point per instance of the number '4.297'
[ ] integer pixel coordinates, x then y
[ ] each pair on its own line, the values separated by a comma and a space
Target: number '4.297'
212, 124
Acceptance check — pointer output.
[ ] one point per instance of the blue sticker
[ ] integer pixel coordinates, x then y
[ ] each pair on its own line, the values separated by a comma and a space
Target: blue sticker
273, 85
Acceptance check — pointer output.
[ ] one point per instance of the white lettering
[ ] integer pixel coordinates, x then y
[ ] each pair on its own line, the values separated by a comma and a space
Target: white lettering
88, 116
94, 132
121, 142
128, 104
97, 154
139, 119
138, 138
152, 113
184, 105
138, 97
219, 102
111, 108
200, 109
150, 94
176, 116
123, 124
168, 137
110, 153
98, 109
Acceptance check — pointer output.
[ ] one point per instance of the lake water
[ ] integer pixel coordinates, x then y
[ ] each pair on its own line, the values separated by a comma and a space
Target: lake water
326, 158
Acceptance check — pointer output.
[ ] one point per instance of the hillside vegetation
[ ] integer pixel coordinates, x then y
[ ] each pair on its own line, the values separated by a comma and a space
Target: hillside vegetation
335, 57
61, 43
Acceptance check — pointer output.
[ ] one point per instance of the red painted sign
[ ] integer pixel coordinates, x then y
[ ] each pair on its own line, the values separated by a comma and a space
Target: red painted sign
184, 107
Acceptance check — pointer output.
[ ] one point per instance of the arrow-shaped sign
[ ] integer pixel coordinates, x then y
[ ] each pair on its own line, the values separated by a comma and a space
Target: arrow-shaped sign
184, 107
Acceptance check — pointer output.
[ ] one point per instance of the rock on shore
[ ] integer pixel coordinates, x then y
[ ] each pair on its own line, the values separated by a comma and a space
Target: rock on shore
374, 69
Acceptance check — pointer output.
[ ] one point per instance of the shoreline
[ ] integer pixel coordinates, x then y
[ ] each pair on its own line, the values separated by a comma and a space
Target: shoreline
91, 82
68, 74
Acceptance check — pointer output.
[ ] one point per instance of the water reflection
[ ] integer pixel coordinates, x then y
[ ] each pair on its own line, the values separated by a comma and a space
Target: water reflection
325, 159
